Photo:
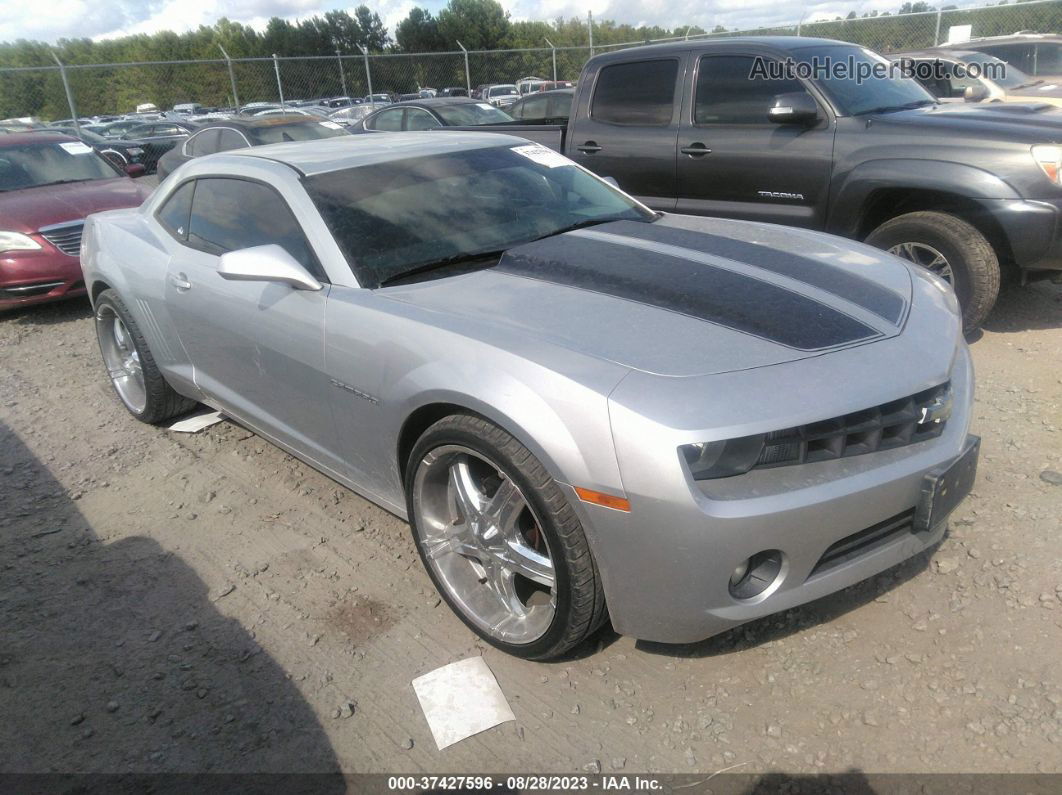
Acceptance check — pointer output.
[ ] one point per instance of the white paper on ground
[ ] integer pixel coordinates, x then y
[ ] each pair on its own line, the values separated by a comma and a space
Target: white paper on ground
197, 422
461, 699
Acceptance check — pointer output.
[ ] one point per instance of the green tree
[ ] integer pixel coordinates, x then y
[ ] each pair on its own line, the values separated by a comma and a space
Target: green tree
477, 24
419, 32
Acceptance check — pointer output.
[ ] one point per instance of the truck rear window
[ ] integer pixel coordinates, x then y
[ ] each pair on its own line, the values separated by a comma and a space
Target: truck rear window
640, 93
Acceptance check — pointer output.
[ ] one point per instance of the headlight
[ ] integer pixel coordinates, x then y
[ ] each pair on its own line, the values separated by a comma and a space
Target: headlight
723, 459
1049, 158
16, 241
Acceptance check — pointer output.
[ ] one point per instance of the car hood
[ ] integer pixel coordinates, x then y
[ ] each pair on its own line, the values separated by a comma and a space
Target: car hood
680, 297
1031, 121
29, 209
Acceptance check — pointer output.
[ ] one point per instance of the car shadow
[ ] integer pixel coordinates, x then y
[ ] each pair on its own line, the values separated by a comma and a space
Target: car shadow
116, 662
798, 619
1026, 308
49, 314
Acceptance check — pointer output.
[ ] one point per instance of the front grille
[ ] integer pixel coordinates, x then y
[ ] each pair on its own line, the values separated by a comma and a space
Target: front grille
900, 422
65, 237
864, 542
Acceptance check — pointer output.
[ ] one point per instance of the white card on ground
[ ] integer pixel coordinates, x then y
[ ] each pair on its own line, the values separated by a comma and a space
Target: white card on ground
461, 699
197, 422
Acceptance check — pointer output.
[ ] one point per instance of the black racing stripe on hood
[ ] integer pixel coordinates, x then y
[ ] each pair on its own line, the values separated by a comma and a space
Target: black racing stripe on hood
702, 291
863, 292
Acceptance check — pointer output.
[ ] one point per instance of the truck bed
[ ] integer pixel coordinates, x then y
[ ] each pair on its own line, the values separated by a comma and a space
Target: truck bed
551, 135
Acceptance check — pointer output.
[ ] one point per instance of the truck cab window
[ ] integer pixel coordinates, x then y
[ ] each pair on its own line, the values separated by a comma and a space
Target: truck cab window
641, 93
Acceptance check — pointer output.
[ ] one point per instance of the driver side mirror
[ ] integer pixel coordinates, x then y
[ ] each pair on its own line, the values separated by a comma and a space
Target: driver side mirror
975, 93
795, 107
270, 263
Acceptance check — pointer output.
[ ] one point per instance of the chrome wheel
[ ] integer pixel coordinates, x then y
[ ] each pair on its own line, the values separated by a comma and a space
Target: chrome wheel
484, 544
122, 359
925, 256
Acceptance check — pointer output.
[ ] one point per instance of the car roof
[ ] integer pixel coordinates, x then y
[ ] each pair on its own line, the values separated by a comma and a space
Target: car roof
1011, 38
254, 122
352, 151
14, 139
434, 102
786, 43
551, 92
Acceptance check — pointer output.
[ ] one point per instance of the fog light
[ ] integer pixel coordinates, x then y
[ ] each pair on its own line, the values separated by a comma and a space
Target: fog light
755, 575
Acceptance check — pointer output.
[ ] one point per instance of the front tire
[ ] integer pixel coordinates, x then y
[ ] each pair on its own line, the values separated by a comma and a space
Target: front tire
500, 541
134, 375
953, 249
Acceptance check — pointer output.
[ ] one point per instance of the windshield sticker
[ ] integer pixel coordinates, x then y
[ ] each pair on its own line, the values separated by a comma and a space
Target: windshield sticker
485, 105
542, 155
331, 125
76, 148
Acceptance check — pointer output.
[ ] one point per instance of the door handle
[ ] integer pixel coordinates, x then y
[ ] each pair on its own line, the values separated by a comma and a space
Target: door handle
589, 147
180, 281
696, 150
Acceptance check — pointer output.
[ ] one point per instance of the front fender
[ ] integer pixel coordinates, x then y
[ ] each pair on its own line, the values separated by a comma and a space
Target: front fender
939, 176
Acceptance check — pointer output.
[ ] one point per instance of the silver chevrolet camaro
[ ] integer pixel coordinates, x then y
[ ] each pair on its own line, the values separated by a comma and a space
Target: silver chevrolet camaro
585, 409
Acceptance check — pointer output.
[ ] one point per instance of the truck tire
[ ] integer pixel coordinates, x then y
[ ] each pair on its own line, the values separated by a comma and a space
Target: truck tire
951, 248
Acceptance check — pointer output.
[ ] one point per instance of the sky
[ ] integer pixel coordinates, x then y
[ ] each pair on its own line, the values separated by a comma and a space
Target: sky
20, 19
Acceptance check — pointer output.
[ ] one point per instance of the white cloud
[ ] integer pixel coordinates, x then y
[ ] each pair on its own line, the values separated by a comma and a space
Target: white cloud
20, 19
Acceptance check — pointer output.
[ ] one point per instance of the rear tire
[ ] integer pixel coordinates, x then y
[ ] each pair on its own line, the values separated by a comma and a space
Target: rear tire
969, 262
500, 541
134, 375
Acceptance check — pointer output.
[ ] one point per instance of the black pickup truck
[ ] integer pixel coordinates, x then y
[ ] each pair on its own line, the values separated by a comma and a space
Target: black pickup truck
686, 128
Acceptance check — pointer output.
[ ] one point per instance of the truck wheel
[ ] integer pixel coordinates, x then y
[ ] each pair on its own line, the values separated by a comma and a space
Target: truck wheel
500, 541
132, 370
952, 249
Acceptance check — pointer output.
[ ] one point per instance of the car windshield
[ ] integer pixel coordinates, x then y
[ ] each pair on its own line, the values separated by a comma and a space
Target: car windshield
1000, 72
298, 131
853, 95
404, 216
86, 135
33, 165
501, 91
466, 114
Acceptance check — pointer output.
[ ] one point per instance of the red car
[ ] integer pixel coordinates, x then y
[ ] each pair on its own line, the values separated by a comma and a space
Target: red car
48, 184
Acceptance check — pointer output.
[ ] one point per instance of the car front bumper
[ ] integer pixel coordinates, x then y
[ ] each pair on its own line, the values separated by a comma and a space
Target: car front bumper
34, 277
1033, 229
666, 565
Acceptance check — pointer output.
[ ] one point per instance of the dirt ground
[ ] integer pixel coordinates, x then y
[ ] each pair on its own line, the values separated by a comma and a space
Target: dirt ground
208, 603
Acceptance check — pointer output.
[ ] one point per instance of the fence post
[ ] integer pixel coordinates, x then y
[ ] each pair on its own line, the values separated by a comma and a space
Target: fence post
590, 27
280, 88
69, 94
342, 74
936, 34
468, 74
368, 74
232, 78
554, 49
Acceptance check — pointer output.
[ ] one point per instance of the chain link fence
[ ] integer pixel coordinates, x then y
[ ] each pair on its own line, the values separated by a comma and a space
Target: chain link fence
103, 89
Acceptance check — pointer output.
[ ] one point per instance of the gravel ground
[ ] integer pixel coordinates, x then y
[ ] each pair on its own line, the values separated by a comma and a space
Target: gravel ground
206, 602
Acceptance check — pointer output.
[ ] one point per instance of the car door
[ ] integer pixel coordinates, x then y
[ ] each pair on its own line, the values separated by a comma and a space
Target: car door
256, 348
735, 163
630, 129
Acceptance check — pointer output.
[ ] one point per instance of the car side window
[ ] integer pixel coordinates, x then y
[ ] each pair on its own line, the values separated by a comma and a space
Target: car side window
726, 94
561, 106
174, 212
229, 140
203, 143
418, 120
389, 120
1019, 55
533, 108
233, 214
1048, 58
640, 93
165, 129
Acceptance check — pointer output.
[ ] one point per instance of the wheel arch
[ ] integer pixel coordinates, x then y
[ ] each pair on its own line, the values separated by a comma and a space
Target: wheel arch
884, 204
